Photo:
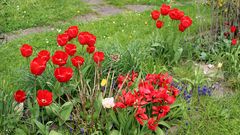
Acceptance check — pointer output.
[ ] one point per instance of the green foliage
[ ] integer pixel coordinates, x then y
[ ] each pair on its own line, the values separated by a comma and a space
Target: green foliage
65, 112
10, 112
212, 116
140, 46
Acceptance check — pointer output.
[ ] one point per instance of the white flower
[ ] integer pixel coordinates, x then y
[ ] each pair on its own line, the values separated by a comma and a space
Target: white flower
108, 102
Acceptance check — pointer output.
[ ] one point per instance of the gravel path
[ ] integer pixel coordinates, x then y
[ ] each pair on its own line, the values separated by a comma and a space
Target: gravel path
100, 10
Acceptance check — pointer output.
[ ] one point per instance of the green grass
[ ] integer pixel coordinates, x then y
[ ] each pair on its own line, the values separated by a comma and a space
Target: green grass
143, 2
22, 14
212, 116
123, 30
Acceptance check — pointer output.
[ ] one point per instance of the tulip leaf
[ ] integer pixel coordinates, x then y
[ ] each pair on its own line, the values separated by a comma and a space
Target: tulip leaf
98, 106
65, 112
56, 90
177, 54
54, 109
164, 124
54, 133
114, 118
159, 131
19, 131
114, 132
175, 105
42, 129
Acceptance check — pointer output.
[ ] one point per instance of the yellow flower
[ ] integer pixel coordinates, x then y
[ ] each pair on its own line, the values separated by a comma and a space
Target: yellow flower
104, 82
219, 65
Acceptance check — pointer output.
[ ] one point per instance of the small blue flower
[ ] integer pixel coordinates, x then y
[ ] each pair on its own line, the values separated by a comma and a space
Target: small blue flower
82, 131
71, 130
204, 91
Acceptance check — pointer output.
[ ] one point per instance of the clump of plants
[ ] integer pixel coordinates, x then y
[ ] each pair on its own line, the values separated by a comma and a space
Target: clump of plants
169, 46
66, 95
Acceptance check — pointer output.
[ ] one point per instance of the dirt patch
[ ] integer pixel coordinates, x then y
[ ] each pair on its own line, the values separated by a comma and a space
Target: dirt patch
86, 18
22, 33
219, 90
93, 2
107, 10
138, 8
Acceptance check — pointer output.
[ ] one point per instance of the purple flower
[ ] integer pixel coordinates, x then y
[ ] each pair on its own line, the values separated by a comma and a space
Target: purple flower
204, 91
82, 131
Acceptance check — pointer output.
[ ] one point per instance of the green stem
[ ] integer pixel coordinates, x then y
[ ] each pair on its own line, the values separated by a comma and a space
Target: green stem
42, 112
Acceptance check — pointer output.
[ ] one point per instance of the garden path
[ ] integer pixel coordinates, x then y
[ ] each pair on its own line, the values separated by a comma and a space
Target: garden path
99, 7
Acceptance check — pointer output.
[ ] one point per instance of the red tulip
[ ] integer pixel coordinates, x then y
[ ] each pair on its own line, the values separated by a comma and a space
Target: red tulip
170, 99
155, 14
62, 39
234, 41
44, 97
72, 31
63, 74
20, 96
90, 49
59, 58
176, 14
152, 124
175, 92
70, 49
140, 115
186, 22
165, 9
181, 28
26, 50
159, 24
91, 39
37, 66
77, 61
44, 54
233, 29
86, 38
160, 111
82, 39
98, 57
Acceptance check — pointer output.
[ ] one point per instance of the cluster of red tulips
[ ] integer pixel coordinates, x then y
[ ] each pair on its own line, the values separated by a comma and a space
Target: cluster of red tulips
59, 58
155, 92
233, 30
174, 14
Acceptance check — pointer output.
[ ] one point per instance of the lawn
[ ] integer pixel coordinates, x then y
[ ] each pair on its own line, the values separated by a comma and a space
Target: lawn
139, 46
138, 28
22, 14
